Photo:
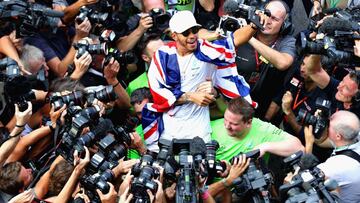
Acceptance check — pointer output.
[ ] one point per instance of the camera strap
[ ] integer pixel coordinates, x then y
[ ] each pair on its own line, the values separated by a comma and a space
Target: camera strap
350, 153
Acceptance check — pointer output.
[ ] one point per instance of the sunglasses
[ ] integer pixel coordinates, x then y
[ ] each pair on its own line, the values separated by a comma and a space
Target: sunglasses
193, 30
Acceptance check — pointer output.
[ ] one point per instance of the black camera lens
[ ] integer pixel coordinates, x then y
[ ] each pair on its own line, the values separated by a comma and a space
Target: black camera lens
117, 153
305, 118
106, 95
99, 49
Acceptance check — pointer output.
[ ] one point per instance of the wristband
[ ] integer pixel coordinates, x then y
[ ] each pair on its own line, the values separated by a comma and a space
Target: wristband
20, 126
225, 184
52, 129
205, 195
16, 135
116, 84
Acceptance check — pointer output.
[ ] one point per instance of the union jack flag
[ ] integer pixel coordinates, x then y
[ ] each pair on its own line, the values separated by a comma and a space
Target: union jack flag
165, 81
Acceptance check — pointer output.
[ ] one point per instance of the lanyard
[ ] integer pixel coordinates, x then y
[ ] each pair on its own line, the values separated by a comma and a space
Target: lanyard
296, 103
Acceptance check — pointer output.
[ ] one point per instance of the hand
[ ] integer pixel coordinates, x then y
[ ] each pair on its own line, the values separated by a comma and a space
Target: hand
357, 48
206, 87
18, 42
145, 23
110, 197
125, 166
125, 198
286, 102
22, 117
81, 64
54, 115
263, 17
82, 30
126, 183
88, 2
320, 22
151, 195
111, 70
82, 196
201, 98
170, 192
316, 8
227, 170
237, 169
309, 136
24, 197
81, 163
136, 141
159, 193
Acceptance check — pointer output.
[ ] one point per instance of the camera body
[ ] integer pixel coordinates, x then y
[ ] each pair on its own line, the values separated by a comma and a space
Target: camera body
319, 122
93, 49
75, 98
160, 20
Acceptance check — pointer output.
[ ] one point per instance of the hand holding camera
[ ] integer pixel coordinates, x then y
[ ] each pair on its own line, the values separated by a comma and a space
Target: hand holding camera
23, 117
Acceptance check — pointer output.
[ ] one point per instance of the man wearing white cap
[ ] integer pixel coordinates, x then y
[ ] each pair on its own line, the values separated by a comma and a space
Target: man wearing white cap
182, 77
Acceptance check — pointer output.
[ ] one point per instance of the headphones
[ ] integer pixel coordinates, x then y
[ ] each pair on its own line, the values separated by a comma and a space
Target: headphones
286, 27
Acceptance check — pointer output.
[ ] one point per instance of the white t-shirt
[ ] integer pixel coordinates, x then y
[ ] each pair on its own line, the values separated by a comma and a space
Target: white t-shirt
346, 171
189, 120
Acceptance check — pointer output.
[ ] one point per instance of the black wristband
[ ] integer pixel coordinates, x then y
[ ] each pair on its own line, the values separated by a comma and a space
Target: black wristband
20, 126
116, 84
16, 135
52, 129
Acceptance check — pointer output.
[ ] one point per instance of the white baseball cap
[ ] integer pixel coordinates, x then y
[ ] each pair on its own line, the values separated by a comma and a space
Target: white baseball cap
181, 21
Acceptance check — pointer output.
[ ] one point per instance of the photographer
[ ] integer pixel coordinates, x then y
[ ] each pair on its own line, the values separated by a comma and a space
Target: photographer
264, 61
344, 165
344, 94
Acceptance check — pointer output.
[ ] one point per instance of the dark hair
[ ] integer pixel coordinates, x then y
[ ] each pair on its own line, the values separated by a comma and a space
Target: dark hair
241, 107
140, 94
144, 41
10, 181
355, 76
59, 177
66, 83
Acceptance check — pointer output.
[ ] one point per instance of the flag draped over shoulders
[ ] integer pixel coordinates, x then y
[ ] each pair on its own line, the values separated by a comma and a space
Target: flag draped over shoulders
165, 81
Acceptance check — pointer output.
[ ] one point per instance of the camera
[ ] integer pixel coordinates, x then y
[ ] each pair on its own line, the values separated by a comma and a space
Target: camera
10, 66
254, 183
18, 91
229, 24
104, 95
93, 16
144, 173
123, 58
309, 184
160, 20
74, 98
30, 18
213, 167
97, 49
319, 122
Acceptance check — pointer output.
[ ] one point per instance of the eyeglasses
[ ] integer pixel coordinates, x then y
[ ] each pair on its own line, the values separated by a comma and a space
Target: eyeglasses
193, 30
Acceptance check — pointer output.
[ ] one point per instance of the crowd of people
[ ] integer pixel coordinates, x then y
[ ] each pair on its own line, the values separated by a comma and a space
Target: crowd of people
91, 88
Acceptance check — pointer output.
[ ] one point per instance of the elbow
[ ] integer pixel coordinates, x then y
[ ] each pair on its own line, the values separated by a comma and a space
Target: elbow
209, 8
284, 65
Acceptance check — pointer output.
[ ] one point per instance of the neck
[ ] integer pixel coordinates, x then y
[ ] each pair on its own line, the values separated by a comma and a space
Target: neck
243, 134
309, 86
347, 105
267, 39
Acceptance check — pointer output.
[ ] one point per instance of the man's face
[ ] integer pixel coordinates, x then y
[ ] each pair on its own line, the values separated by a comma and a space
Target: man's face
346, 89
138, 107
151, 48
26, 176
234, 124
274, 23
187, 43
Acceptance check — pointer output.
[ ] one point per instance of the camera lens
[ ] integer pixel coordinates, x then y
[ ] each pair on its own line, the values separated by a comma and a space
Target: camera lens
106, 95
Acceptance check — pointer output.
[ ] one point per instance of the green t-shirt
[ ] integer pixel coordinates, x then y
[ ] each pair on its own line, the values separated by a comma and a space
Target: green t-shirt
180, 5
132, 153
230, 146
141, 81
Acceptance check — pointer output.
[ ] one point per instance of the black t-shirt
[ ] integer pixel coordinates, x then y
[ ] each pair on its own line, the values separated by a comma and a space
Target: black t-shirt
331, 90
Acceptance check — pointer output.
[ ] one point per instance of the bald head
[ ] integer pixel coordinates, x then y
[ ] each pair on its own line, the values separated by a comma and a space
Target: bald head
346, 124
278, 6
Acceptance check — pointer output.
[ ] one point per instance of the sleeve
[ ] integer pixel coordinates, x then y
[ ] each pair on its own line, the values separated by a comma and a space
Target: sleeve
287, 45
330, 89
273, 133
42, 44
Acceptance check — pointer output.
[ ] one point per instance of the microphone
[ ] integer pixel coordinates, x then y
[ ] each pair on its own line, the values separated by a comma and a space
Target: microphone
198, 147
330, 25
308, 161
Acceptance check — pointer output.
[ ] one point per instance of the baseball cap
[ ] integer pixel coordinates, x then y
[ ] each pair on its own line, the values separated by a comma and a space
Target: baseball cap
182, 21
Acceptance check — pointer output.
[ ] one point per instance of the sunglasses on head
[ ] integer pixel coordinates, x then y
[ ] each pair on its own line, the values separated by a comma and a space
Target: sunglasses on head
193, 30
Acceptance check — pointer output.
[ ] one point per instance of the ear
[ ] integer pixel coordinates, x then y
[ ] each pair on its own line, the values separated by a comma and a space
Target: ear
145, 58
174, 36
248, 123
